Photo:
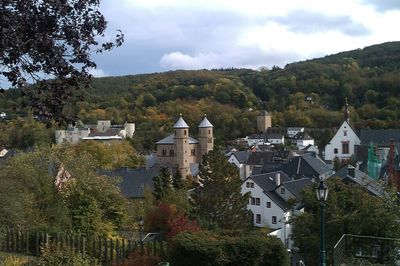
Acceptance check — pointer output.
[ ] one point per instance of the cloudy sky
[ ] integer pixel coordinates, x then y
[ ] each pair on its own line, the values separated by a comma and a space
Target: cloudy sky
163, 35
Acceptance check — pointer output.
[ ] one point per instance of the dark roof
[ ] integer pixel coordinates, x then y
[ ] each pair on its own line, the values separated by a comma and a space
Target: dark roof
110, 132
349, 174
170, 140
379, 136
267, 181
259, 158
278, 200
307, 165
297, 186
302, 136
241, 156
134, 180
276, 130
271, 167
256, 136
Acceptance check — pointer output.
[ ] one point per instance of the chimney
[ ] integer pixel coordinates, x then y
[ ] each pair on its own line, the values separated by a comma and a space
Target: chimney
277, 179
351, 171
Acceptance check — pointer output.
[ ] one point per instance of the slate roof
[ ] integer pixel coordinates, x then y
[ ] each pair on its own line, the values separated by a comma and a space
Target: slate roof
241, 156
274, 136
297, 186
361, 152
278, 200
307, 165
302, 136
259, 158
359, 178
170, 140
205, 123
379, 136
181, 123
134, 180
267, 181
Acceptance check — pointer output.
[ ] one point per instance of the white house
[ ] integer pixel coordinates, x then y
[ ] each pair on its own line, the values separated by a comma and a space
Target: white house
276, 139
302, 140
342, 144
292, 131
239, 159
268, 201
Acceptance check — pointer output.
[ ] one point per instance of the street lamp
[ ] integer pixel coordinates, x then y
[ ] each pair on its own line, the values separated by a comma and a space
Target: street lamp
322, 195
141, 222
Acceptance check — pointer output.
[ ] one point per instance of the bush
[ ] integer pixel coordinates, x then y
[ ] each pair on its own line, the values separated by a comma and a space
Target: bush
51, 256
205, 248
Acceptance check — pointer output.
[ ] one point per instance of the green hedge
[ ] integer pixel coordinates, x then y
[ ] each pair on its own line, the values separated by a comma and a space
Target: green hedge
205, 248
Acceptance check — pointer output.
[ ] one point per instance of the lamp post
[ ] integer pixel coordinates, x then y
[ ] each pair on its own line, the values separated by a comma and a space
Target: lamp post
141, 222
322, 195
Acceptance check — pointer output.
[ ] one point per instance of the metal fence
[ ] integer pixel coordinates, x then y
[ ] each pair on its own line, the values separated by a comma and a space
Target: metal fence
107, 250
370, 250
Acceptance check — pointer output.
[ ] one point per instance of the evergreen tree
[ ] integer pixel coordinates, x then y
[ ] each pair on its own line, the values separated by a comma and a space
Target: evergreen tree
177, 182
219, 200
162, 183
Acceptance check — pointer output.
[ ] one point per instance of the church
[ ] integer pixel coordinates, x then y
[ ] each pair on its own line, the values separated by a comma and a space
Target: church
182, 151
342, 144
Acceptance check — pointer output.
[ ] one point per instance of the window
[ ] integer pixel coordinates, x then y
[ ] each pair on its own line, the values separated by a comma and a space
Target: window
345, 147
344, 132
258, 218
335, 150
273, 219
193, 152
255, 201
251, 184
171, 153
283, 190
209, 140
209, 132
247, 184
268, 204
164, 152
184, 132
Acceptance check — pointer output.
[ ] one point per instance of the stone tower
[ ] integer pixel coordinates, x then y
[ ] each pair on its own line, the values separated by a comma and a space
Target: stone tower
181, 140
263, 121
206, 139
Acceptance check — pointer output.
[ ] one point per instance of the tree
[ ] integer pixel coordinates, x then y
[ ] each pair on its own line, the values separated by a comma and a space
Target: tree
84, 202
52, 39
177, 182
219, 199
162, 183
350, 209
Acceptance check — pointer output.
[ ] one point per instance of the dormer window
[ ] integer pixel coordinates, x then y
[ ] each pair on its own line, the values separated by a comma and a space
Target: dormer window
283, 191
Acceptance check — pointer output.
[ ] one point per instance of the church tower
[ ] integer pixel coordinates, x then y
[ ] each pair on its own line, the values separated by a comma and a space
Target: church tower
263, 122
346, 112
181, 140
206, 139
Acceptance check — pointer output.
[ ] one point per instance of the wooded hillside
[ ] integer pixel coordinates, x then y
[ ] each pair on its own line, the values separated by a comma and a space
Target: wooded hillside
309, 93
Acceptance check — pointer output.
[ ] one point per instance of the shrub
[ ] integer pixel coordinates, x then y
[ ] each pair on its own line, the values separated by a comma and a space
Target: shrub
51, 256
205, 248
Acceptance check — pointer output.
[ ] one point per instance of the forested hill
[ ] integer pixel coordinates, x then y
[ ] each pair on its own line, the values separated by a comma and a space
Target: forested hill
309, 93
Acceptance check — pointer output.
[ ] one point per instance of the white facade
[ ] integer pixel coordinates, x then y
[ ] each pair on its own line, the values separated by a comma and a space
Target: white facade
302, 143
342, 144
241, 166
266, 213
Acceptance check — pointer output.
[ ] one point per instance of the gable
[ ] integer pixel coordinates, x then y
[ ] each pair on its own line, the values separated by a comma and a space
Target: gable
350, 134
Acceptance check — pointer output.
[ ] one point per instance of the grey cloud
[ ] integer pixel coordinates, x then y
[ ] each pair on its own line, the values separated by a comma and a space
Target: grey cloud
383, 5
302, 21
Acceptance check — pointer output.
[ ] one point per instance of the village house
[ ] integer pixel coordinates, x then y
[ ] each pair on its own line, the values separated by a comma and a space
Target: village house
270, 193
239, 159
103, 131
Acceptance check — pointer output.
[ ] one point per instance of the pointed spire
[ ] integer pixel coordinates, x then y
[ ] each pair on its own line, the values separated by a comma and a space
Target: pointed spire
180, 123
205, 122
346, 112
